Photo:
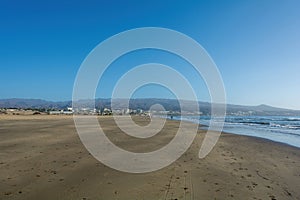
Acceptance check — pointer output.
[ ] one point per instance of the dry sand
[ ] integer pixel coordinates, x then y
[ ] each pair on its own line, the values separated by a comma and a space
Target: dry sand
41, 157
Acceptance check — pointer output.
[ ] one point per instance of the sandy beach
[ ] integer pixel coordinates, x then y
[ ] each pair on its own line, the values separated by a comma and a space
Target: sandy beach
42, 157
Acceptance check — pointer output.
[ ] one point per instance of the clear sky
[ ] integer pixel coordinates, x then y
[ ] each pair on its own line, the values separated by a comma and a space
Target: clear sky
255, 44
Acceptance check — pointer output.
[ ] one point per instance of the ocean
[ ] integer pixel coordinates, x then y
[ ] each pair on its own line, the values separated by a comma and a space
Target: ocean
284, 129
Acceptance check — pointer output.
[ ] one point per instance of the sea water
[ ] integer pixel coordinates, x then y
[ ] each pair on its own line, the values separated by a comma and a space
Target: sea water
284, 129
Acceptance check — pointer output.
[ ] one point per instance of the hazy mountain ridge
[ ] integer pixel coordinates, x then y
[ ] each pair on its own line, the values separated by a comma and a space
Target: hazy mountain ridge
145, 104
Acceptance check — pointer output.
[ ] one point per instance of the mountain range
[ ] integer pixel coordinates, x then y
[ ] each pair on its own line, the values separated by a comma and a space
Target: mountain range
145, 104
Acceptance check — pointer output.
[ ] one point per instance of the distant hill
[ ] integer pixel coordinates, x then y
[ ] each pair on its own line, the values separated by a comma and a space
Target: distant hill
145, 104
33, 103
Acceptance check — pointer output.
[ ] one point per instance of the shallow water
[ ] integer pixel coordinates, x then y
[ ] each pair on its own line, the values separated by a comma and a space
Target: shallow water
285, 129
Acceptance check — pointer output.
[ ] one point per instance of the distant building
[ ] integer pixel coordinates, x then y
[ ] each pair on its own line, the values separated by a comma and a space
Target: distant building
67, 112
106, 111
61, 112
55, 112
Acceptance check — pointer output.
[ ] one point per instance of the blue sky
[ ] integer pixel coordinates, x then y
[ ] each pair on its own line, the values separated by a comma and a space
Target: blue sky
255, 44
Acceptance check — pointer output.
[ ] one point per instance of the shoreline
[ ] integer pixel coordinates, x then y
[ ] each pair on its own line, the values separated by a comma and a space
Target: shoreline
259, 138
201, 126
205, 127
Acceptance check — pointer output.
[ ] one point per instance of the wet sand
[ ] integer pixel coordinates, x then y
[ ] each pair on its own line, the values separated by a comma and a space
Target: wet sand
42, 157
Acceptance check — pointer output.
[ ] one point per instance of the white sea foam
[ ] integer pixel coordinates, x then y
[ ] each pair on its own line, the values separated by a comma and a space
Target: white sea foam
277, 128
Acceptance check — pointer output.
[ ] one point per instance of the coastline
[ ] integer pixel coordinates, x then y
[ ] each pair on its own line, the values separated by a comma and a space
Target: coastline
247, 133
42, 157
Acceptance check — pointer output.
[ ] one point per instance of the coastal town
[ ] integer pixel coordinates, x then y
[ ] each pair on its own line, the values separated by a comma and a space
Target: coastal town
86, 111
